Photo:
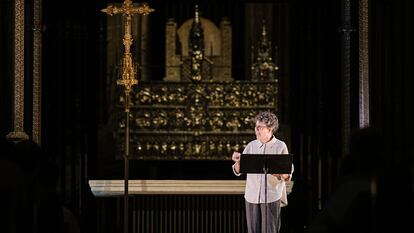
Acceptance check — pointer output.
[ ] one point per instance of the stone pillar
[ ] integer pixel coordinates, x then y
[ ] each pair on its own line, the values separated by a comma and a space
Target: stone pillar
346, 72
363, 94
18, 99
37, 71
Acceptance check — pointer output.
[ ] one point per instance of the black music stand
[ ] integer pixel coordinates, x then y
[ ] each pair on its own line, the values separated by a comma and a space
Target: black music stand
264, 164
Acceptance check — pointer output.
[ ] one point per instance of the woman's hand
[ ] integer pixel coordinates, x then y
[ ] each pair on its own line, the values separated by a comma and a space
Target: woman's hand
284, 177
236, 157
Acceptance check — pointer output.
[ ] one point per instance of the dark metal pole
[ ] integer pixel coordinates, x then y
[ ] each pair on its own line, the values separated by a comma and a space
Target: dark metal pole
126, 162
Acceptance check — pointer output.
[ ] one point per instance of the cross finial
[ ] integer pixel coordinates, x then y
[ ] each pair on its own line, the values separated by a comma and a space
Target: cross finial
128, 9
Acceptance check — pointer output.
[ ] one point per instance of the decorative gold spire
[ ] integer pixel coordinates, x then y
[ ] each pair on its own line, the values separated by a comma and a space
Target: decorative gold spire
196, 17
263, 67
196, 47
264, 33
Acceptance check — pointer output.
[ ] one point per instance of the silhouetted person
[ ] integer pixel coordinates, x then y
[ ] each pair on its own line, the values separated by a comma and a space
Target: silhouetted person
29, 191
354, 203
15, 199
49, 209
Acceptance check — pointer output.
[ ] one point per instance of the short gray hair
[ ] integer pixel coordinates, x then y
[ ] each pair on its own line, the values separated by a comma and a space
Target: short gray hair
269, 119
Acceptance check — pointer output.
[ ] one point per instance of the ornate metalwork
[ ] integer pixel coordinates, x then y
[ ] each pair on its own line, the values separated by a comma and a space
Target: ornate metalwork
197, 56
199, 64
198, 112
196, 47
263, 66
203, 120
128, 9
127, 80
18, 116
128, 68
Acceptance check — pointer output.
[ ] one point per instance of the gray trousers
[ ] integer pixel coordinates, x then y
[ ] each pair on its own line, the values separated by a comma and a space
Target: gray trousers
255, 214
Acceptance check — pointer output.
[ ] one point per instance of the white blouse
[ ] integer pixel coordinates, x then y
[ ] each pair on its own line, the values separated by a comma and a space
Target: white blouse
255, 188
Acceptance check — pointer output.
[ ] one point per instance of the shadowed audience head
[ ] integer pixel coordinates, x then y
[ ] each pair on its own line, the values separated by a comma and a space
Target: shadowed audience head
367, 152
27, 154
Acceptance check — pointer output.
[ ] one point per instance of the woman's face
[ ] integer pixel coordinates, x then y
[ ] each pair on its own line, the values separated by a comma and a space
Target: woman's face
263, 133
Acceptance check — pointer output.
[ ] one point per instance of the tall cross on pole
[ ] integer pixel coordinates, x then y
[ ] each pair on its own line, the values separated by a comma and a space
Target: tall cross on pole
127, 79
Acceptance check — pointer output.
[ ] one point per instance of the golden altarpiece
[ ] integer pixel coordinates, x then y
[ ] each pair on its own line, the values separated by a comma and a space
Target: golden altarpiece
198, 111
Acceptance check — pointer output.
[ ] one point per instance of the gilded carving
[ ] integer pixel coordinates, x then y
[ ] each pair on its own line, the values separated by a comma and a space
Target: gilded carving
18, 117
204, 120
